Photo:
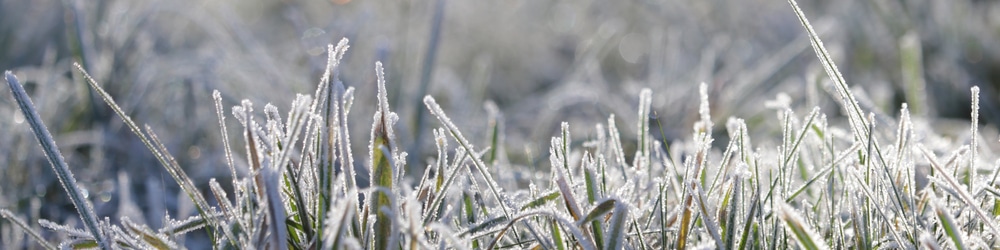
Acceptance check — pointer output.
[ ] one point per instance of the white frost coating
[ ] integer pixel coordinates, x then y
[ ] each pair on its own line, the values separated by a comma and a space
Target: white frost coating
975, 136
271, 112
705, 124
217, 97
645, 100
383, 120
616, 142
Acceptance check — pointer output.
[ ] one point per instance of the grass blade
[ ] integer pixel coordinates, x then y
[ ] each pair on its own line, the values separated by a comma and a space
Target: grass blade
56, 160
855, 115
382, 148
948, 223
601, 209
435, 109
27, 229
616, 228
794, 224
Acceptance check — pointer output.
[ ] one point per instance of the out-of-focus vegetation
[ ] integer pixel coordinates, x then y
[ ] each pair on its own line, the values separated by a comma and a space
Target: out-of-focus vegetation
538, 62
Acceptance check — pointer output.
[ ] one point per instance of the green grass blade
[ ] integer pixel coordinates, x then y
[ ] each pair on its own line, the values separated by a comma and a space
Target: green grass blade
598, 211
951, 229
557, 236
805, 235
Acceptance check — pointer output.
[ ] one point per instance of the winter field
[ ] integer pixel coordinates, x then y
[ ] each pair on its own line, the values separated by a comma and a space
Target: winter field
648, 124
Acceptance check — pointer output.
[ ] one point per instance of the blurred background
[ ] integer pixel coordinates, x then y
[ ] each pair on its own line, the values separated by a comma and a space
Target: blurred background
538, 62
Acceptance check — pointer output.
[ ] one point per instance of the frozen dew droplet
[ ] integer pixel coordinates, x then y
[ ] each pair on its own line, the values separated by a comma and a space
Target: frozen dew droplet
18, 117
314, 40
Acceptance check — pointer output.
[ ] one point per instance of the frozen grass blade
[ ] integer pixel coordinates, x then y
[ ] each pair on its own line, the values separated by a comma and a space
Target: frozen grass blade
59, 166
27, 229
597, 212
855, 115
971, 175
707, 220
435, 109
541, 200
217, 97
616, 228
275, 209
805, 235
160, 151
645, 98
382, 148
684, 227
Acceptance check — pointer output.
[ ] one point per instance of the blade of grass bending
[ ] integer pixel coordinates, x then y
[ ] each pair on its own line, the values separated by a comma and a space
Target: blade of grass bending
27, 229
855, 115
435, 109
485, 226
184, 181
598, 211
56, 160
541, 200
158, 150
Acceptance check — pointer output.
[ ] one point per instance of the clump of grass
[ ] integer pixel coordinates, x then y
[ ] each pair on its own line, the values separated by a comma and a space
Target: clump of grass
823, 187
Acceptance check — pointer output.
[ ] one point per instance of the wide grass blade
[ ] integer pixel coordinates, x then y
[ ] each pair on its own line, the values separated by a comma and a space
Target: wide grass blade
804, 234
947, 221
56, 160
382, 147
615, 238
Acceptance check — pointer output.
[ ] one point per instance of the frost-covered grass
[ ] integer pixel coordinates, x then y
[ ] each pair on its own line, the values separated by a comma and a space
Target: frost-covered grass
853, 185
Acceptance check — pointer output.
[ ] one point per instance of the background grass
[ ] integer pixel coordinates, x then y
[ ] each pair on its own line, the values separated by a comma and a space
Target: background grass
540, 63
